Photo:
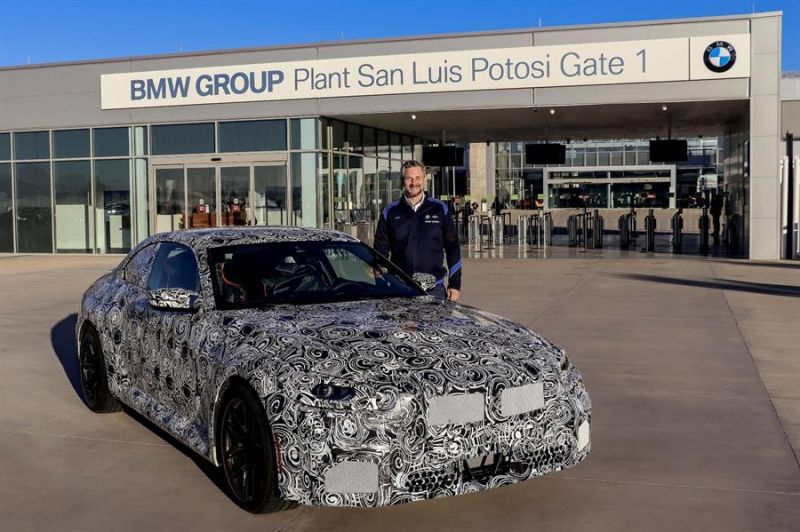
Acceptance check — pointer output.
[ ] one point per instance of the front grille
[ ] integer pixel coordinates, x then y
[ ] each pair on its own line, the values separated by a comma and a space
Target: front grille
550, 456
429, 480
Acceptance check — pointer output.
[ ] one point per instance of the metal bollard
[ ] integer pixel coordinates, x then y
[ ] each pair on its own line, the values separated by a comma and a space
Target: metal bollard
677, 231
547, 229
624, 237
523, 227
534, 229
475, 238
704, 219
497, 229
597, 229
572, 231
650, 232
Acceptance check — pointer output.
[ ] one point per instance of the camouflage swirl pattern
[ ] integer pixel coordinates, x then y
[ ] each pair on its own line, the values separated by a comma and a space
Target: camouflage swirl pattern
441, 390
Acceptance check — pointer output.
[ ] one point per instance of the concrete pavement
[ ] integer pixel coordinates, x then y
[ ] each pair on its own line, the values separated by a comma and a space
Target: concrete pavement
692, 366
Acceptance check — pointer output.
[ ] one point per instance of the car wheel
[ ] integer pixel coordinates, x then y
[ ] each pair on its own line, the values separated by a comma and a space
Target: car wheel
247, 452
94, 379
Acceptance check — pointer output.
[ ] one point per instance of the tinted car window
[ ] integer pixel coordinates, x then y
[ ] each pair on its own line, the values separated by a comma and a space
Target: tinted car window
302, 273
174, 267
139, 265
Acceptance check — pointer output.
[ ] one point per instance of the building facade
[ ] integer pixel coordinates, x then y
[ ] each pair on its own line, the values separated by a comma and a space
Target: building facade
96, 155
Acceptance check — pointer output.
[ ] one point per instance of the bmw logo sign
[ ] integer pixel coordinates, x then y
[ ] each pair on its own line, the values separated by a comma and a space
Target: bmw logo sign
719, 56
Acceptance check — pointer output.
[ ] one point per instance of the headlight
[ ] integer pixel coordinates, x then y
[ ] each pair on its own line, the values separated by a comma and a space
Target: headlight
331, 392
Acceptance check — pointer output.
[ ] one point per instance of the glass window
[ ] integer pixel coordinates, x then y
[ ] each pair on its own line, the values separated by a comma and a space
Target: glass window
254, 135
202, 191
303, 272
396, 146
34, 210
354, 139
304, 189
339, 132
73, 185
71, 144
304, 133
383, 143
369, 141
408, 148
174, 267
138, 267
170, 193
111, 142
112, 204
384, 181
182, 138
6, 210
5, 146
32, 145
270, 198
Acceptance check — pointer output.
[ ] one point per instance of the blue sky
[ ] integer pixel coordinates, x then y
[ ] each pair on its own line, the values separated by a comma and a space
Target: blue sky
40, 31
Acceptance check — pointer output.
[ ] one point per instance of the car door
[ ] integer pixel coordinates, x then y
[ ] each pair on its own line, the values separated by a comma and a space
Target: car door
132, 300
172, 371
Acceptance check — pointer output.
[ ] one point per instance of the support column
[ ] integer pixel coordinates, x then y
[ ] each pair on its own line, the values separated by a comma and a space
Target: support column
765, 138
481, 171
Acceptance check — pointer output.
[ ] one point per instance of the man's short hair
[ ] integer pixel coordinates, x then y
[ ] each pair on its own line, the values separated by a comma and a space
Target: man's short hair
411, 164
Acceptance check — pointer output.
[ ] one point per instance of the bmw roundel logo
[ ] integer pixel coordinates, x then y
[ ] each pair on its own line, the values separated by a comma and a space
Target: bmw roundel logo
719, 56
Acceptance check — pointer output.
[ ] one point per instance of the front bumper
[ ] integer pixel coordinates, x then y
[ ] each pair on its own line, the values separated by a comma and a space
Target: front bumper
362, 459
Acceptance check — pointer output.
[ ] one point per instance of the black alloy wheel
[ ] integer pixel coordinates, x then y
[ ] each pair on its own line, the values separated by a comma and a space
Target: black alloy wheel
246, 452
94, 379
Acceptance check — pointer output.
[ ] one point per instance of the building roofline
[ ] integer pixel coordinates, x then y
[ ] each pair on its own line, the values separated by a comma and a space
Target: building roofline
405, 38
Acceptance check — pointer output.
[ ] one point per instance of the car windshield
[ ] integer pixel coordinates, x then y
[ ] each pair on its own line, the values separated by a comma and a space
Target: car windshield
252, 275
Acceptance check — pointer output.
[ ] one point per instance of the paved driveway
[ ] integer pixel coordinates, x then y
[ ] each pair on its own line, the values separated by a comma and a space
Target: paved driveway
692, 366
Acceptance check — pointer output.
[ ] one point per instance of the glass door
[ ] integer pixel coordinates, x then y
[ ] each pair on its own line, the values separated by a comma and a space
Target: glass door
235, 195
201, 194
170, 198
269, 195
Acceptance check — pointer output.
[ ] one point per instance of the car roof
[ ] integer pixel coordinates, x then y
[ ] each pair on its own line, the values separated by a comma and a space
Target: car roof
225, 236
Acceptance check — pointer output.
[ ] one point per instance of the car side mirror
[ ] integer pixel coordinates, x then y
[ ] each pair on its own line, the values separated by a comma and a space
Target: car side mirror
175, 299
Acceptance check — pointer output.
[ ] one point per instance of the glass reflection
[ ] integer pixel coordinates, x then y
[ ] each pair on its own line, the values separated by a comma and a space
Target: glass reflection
112, 202
6, 210
170, 200
235, 181
34, 210
73, 193
202, 193
270, 195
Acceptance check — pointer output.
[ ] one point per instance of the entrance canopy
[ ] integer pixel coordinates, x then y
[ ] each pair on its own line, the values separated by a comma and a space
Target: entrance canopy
635, 120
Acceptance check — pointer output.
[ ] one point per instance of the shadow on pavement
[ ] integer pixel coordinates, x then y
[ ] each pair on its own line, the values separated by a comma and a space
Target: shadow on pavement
62, 338
211, 472
782, 265
721, 284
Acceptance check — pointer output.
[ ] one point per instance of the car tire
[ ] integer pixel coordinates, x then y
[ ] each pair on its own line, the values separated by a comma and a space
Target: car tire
247, 452
94, 376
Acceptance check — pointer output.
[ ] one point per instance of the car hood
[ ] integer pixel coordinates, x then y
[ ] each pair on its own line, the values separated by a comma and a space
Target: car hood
441, 345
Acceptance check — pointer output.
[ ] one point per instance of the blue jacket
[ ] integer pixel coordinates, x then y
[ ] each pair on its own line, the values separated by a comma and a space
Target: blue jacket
418, 241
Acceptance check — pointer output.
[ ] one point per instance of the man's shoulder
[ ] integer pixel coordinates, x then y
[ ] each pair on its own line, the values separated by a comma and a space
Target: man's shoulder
438, 204
389, 207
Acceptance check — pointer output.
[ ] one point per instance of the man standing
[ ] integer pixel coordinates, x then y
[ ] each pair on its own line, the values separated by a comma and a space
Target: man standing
416, 232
